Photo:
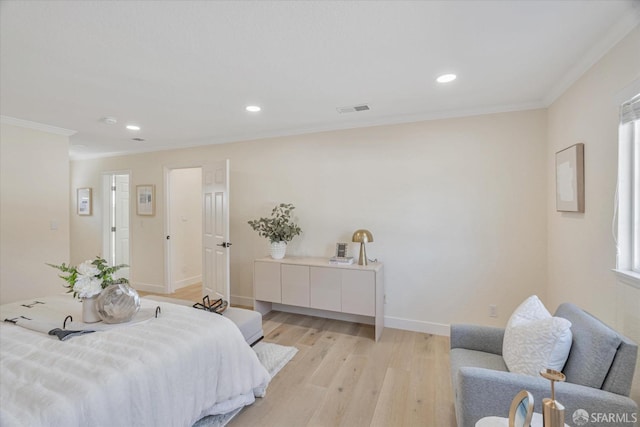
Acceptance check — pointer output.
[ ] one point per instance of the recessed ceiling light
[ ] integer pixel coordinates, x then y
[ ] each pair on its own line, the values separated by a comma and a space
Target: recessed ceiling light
253, 108
446, 78
133, 127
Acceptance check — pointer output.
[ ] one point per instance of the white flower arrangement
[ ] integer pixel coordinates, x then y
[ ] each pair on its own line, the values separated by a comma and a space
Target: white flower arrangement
89, 278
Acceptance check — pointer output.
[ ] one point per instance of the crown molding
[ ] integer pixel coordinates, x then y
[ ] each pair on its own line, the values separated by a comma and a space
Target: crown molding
619, 31
360, 124
36, 126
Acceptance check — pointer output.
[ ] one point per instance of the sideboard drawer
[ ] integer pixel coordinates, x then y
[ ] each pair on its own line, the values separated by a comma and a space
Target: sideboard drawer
359, 292
295, 285
325, 286
267, 282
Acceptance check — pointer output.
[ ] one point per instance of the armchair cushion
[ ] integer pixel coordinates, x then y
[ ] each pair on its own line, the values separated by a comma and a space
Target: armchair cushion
594, 347
534, 340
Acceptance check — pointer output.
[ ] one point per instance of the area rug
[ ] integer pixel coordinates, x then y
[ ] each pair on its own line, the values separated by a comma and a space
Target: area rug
273, 357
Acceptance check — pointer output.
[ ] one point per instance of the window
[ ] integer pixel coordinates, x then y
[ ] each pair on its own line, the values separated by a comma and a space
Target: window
628, 236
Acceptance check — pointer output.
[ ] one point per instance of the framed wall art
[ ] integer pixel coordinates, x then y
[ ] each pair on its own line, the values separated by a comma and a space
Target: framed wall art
570, 179
341, 250
84, 201
145, 199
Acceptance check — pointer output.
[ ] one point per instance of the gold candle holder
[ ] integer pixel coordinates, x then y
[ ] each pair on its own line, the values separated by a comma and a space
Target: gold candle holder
552, 410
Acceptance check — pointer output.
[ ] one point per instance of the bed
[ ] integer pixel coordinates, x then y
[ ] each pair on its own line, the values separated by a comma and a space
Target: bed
167, 371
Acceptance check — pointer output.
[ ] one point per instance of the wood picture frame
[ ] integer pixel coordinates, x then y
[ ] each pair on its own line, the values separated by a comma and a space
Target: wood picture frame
570, 179
84, 201
146, 199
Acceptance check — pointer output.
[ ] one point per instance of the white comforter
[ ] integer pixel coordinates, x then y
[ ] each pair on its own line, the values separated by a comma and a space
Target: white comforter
169, 371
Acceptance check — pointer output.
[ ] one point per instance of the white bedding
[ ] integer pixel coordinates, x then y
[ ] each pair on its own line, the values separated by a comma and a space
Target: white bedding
169, 371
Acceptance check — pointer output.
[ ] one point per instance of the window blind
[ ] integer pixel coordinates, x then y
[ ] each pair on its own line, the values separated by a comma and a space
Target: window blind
630, 110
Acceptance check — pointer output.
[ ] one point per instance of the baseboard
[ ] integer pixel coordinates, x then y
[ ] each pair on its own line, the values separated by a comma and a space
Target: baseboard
147, 287
417, 326
187, 282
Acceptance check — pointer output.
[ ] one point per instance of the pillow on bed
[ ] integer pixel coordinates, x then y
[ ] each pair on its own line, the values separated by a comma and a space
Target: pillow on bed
534, 340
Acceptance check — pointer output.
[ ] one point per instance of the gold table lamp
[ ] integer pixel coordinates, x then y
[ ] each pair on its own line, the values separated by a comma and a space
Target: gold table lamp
362, 236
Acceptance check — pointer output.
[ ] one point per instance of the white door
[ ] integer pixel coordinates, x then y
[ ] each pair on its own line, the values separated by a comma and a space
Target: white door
115, 242
215, 230
121, 223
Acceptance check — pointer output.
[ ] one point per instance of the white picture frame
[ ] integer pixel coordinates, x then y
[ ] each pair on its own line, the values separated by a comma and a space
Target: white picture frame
84, 201
145, 199
570, 179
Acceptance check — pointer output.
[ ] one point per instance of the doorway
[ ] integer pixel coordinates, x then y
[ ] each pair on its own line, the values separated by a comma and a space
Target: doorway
116, 236
184, 227
208, 209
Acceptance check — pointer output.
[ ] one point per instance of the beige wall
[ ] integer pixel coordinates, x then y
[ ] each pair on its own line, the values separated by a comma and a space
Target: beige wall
34, 198
456, 207
581, 249
146, 232
581, 246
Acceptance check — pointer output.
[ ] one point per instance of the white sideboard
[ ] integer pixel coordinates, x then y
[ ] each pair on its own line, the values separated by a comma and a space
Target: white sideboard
315, 287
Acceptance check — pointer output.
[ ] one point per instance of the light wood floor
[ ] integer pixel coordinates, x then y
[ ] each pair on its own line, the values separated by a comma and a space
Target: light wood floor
191, 293
342, 377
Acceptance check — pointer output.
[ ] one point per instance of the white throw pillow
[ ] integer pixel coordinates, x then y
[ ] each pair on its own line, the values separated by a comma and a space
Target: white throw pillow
534, 340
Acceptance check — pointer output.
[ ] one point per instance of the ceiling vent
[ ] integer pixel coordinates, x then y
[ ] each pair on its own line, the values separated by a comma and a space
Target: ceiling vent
354, 108
137, 139
110, 120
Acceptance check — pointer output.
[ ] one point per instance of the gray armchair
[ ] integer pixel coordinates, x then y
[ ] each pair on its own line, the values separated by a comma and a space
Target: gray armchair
599, 373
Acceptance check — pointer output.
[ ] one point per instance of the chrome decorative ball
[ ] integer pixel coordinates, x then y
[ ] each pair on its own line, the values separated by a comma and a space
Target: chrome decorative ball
118, 303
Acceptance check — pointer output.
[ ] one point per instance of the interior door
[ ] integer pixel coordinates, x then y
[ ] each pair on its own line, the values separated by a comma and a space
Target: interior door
115, 225
121, 223
215, 230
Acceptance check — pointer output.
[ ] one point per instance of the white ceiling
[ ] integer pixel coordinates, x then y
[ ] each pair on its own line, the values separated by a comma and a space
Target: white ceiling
185, 70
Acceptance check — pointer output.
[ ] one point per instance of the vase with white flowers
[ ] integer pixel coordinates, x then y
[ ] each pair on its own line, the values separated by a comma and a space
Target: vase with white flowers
87, 280
279, 229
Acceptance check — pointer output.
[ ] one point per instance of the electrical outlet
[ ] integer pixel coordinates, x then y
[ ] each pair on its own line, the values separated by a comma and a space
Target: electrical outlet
493, 310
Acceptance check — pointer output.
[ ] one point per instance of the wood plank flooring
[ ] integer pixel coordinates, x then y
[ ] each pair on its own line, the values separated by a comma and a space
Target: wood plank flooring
191, 293
342, 377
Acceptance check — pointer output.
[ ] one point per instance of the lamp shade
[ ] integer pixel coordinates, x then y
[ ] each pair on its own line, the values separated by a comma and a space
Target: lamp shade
362, 236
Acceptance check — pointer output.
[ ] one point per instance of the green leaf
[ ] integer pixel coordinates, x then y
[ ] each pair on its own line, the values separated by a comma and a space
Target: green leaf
278, 227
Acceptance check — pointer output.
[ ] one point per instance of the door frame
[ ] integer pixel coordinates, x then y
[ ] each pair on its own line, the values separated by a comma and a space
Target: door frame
107, 179
166, 170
